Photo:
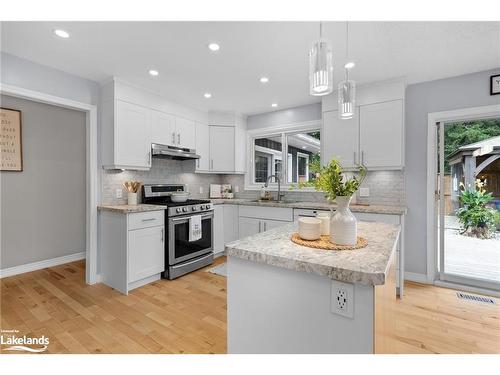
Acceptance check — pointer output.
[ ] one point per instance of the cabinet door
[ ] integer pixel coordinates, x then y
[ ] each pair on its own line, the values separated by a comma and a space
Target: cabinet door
381, 134
221, 149
240, 159
163, 129
132, 135
249, 226
230, 223
146, 252
271, 224
186, 133
340, 139
219, 228
203, 147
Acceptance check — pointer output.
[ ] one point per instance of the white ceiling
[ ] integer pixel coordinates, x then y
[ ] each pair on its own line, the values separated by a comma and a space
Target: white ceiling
420, 51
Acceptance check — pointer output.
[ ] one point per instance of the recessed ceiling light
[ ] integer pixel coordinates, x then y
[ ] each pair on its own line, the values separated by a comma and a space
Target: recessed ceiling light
349, 65
264, 80
153, 72
61, 33
207, 95
274, 105
213, 47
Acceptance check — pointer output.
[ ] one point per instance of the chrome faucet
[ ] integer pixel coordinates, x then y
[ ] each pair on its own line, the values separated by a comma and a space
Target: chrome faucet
279, 186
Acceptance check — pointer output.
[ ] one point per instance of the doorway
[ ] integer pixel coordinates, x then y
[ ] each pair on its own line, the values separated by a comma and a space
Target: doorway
467, 201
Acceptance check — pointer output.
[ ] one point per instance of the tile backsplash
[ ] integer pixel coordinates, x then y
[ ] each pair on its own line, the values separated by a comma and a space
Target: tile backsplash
163, 171
386, 187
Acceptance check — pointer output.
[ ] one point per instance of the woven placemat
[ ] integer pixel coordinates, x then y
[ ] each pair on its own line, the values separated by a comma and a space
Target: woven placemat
325, 244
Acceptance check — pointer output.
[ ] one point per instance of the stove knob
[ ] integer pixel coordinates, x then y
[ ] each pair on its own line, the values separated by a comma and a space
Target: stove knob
184, 209
194, 208
178, 210
207, 206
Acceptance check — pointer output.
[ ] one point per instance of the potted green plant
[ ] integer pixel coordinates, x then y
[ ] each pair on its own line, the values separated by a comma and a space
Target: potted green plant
337, 187
477, 219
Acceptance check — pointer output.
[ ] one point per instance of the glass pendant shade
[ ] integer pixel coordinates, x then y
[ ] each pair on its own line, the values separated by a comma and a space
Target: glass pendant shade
346, 100
320, 69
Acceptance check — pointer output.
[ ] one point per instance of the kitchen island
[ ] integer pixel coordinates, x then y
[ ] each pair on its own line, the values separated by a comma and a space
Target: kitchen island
287, 298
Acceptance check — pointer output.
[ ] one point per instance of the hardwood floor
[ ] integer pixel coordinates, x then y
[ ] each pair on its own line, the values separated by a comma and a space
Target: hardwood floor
188, 315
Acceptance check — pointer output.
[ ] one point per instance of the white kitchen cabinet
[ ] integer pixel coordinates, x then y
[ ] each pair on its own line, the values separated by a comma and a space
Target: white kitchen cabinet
230, 223
340, 139
132, 248
146, 256
185, 133
222, 149
163, 129
203, 147
219, 229
381, 135
248, 226
127, 129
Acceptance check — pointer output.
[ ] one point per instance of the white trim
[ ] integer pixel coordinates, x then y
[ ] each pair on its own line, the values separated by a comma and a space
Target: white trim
11, 271
274, 130
432, 119
91, 165
416, 277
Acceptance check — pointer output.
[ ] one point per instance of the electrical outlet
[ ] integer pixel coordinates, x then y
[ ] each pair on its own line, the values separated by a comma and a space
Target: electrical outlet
119, 193
364, 192
201, 189
236, 189
342, 299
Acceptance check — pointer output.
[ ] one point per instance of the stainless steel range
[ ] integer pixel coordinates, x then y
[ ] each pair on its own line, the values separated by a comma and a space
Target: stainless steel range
181, 254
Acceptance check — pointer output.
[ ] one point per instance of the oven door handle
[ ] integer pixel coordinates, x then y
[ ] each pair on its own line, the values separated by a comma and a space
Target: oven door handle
187, 218
192, 261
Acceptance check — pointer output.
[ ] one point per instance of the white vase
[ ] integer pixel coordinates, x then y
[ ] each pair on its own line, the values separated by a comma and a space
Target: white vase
132, 199
343, 224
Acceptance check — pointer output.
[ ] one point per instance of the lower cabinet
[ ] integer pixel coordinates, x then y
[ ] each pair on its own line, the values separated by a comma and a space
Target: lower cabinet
225, 226
132, 248
253, 220
250, 226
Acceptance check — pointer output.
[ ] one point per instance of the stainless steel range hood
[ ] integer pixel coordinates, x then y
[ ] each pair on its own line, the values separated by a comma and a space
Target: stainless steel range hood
171, 152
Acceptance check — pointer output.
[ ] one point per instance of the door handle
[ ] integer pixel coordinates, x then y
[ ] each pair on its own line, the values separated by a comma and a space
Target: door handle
178, 138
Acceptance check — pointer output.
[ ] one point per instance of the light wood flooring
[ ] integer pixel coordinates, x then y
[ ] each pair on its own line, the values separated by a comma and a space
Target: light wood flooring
188, 315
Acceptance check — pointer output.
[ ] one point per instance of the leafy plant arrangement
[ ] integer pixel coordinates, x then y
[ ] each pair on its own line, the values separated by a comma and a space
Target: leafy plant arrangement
476, 218
331, 179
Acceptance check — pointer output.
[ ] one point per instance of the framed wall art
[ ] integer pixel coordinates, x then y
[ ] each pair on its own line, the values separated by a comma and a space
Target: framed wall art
11, 152
495, 85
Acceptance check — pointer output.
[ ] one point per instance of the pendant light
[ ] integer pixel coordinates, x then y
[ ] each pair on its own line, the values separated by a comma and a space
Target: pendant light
320, 67
347, 88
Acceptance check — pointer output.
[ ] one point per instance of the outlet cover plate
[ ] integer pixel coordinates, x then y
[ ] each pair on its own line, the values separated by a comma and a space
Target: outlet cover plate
342, 299
364, 192
119, 193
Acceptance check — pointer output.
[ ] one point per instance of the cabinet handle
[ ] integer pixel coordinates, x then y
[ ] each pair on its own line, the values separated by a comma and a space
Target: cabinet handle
178, 138
151, 219
212, 164
362, 157
260, 223
162, 229
198, 163
148, 158
265, 226
354, 157
173, 138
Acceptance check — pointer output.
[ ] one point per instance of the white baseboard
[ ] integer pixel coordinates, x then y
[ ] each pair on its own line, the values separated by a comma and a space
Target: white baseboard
416, 277
41, 264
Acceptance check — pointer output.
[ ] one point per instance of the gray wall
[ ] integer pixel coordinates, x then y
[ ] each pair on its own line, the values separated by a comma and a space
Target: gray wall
43, 207
466, 91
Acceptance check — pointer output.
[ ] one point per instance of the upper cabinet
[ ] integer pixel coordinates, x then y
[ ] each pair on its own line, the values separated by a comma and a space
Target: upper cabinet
173, 131
381, 135
126, 135
186, 133
203, 147
227, 143
375, 136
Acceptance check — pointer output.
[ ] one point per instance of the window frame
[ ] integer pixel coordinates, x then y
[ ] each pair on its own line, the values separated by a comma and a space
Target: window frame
283, 131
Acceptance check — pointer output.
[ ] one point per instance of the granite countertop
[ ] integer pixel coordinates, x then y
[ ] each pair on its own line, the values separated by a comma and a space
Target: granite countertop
368, 265
376, 209
126, 209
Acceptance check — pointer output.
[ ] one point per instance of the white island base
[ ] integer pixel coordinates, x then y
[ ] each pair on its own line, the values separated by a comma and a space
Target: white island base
277, 310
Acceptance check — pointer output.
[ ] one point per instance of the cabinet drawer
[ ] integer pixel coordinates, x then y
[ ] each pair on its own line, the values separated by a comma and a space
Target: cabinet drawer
271, 213
146, 219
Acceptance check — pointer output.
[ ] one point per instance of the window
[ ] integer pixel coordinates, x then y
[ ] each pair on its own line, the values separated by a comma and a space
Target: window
300, 164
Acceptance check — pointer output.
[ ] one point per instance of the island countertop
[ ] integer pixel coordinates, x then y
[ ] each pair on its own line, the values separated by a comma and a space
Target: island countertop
368, 265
